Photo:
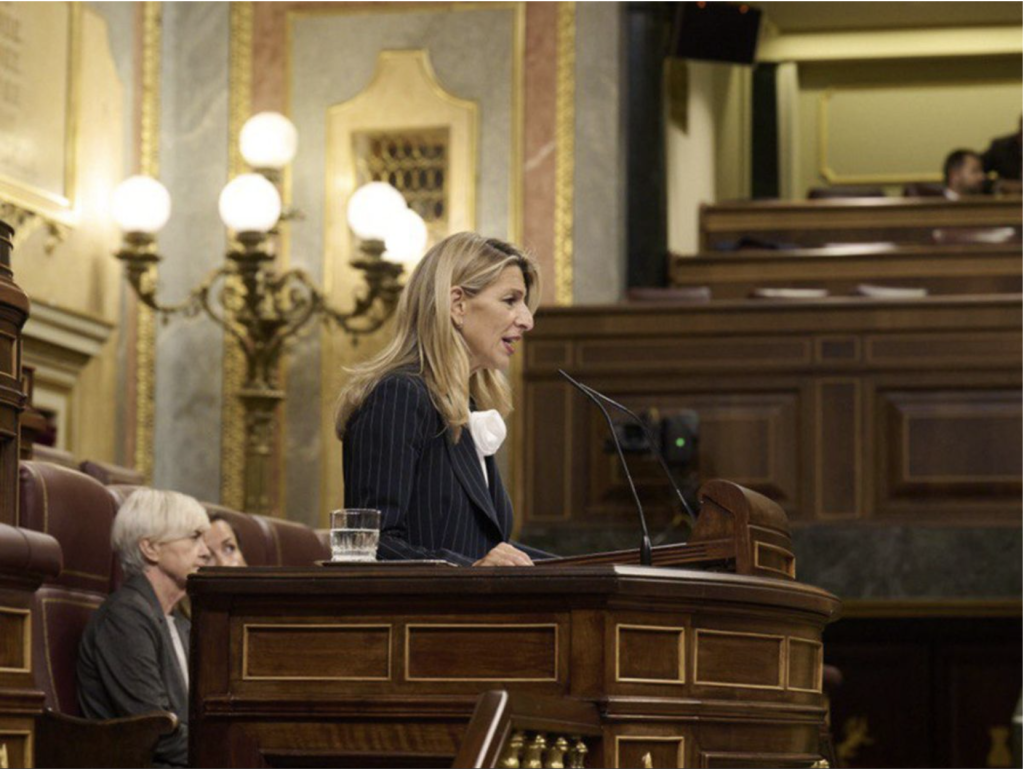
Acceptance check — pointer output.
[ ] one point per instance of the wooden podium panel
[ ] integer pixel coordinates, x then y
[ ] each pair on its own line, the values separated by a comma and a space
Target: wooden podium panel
382, 664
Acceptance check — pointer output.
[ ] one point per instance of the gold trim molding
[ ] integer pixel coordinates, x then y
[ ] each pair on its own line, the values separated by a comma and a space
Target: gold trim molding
780, 685
565, 150
149, 165
681, 652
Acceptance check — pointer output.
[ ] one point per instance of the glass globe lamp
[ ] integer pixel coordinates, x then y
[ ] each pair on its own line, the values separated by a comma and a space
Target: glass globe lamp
372, 210
249, 204
407, 238
268, 141
140, 205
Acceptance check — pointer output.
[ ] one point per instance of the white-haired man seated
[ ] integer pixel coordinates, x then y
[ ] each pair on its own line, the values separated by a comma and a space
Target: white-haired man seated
133, 657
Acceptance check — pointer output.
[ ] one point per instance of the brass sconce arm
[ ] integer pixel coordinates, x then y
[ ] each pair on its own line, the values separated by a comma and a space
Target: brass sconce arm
141, 259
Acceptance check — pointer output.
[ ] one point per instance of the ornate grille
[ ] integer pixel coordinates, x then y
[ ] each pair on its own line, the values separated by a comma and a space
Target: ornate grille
415, 162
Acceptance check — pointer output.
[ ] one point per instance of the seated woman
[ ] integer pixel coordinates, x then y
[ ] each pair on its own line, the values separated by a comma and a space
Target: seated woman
415, 445
133, 657
222, 542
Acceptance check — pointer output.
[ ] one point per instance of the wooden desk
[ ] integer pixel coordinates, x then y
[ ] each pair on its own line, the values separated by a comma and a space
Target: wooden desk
966, 269
816, 222
380, 665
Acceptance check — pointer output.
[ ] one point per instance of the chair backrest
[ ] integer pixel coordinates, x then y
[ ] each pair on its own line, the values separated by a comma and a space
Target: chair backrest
78, 512
108, 474
295, 544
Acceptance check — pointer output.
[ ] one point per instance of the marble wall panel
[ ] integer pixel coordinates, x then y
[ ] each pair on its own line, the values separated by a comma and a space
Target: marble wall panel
194, 167
904, 562
333, 56
599, 211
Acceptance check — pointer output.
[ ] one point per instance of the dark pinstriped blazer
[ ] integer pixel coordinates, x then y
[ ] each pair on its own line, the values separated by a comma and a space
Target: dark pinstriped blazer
399, 458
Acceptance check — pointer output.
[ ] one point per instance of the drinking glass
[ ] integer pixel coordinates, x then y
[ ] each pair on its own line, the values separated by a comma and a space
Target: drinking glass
354, 535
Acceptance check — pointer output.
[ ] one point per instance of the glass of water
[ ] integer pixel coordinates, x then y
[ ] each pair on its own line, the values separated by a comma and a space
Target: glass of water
354, 535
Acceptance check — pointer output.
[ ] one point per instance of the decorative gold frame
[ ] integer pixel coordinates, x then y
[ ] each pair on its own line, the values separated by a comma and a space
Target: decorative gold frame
681, 651
488, 625
260, 625
30, 202
26, 617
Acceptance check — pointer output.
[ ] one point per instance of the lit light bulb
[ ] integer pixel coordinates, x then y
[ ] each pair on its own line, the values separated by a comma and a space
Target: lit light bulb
372, 210
249, 203
140, 204
407, 238
268, 141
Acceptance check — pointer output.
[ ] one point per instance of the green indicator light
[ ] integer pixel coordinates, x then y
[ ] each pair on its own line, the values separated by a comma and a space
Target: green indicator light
680, 442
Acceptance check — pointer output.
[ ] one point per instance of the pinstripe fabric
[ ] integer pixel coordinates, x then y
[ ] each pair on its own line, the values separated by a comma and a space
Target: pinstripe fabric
434, 500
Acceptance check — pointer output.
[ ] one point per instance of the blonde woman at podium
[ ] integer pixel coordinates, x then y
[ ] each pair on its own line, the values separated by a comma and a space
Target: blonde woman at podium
421, 421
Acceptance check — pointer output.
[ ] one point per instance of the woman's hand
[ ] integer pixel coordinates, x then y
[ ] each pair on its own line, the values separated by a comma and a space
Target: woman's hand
505, 555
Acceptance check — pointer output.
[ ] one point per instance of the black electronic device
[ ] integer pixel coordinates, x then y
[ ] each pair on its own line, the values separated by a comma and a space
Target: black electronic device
716, 31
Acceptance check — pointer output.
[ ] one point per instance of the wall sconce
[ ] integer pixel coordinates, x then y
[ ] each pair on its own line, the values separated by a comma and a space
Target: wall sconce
260, 308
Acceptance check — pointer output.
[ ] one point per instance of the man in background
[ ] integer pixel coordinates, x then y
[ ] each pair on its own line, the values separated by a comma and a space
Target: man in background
963, 174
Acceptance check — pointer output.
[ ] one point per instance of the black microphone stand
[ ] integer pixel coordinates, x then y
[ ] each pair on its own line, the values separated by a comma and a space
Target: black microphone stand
654, 450
645, 541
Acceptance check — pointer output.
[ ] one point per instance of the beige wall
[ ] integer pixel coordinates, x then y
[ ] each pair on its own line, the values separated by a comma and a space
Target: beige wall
73, 340
882, 122
707, 143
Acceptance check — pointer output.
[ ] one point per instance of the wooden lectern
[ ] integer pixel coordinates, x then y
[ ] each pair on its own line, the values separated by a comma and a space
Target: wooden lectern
383, 664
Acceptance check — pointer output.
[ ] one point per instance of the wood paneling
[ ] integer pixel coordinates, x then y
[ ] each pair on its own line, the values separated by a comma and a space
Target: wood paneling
818, 222
615, 638
15, 640
737, 659
482, 652
646, 654
840, 410
940, 269
334, 652
947, 448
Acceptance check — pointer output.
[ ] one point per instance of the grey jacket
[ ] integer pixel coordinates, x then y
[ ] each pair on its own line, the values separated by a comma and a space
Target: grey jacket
127, 665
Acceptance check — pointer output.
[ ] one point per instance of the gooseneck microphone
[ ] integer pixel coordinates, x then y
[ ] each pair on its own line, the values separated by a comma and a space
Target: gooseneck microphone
650, 442
645, 541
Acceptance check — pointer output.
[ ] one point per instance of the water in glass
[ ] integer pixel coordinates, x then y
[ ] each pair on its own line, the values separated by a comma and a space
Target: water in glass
354, 535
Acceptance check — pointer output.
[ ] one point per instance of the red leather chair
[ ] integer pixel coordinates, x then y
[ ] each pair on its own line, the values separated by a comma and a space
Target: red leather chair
78, 512
295, 544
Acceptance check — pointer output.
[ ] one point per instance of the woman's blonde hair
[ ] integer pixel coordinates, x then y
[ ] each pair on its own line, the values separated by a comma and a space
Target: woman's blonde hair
427, 342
